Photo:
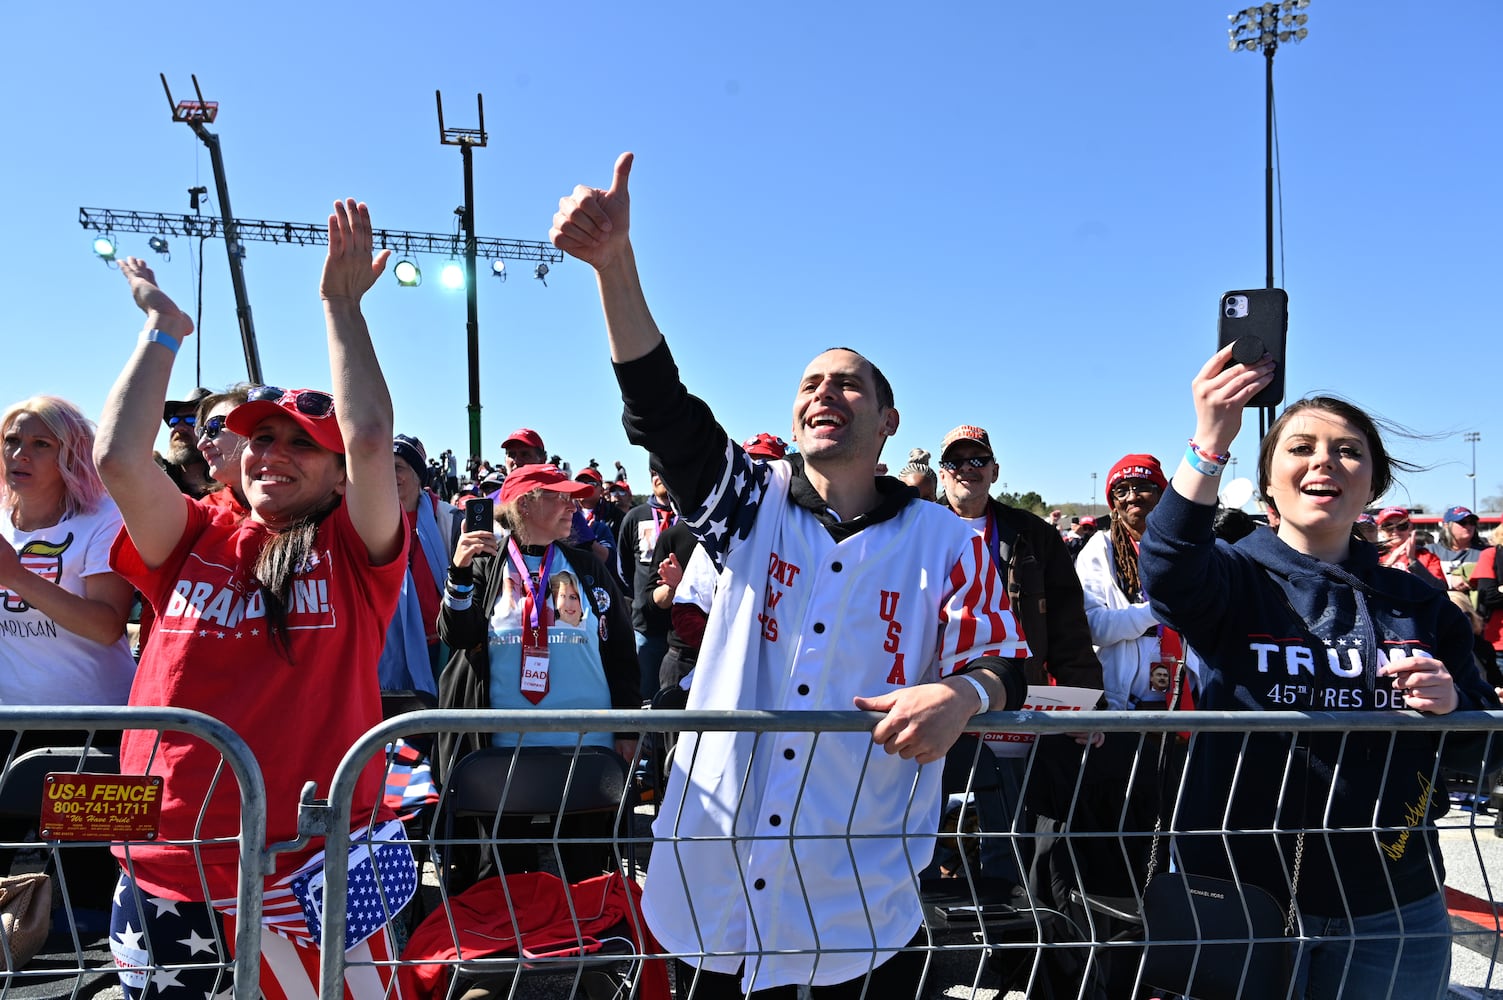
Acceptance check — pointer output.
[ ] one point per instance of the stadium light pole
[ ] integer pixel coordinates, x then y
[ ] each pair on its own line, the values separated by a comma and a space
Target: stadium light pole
1264, 27
467, 139
1472, 437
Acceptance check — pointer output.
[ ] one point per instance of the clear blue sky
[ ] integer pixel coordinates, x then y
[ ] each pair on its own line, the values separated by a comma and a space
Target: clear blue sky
1025, 213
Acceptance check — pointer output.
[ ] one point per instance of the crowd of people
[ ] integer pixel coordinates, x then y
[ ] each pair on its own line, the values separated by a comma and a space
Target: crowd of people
765, 575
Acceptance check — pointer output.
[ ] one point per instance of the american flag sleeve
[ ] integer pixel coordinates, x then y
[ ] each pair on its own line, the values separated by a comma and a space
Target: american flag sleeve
975, 618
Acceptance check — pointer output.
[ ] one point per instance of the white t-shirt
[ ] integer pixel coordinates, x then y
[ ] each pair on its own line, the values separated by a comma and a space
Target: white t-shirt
41, 663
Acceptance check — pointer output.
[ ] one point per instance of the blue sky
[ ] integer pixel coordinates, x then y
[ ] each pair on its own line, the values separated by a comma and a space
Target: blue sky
1025, 213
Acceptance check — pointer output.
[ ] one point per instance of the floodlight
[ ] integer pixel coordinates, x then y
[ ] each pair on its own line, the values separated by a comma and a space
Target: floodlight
104, 247
452, 275
408, 274
158, 243
498, 269
541, 273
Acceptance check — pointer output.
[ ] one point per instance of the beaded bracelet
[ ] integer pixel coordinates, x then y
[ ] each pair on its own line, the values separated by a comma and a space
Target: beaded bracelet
1210, 456
1202, 465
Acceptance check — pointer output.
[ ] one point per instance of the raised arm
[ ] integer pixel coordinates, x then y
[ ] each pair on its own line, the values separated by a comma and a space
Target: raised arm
151, 506
595, 226
362, 403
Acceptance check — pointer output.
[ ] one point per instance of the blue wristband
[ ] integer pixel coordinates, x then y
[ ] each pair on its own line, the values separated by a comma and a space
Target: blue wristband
1204, 466
165, 339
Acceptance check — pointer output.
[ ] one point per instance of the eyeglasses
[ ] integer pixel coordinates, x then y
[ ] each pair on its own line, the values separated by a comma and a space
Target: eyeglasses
308, 402
181, 418
211, 428
1396, 526
1140, 488
974, 462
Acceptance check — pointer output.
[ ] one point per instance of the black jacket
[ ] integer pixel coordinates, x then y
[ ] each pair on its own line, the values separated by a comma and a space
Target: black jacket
1045, 594
466, 680
1277, 629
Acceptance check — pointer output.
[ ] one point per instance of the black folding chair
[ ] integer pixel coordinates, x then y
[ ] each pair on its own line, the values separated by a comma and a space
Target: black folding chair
490, 791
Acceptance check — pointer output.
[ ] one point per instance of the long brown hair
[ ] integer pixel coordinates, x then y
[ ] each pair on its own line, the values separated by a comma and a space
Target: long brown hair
286, 553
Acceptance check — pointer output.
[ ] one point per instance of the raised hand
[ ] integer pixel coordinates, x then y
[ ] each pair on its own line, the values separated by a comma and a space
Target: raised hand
1221, 390
594, 225
158, 306
349, 269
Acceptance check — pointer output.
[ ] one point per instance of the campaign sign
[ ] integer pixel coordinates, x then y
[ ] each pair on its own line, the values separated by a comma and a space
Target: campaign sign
101, 806
1042, 698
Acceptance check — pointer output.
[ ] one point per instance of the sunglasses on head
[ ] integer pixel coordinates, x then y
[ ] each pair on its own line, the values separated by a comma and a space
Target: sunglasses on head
211, 428
181, 418
308, 402
974, 462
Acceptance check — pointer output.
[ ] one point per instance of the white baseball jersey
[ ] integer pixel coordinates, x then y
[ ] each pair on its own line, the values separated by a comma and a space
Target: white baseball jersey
806, 844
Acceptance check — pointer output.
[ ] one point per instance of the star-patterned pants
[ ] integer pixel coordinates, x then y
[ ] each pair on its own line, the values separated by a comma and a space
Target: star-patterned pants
171, 950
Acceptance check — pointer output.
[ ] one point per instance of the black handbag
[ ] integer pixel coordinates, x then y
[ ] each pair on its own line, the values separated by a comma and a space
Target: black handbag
1213, 939
1229, 940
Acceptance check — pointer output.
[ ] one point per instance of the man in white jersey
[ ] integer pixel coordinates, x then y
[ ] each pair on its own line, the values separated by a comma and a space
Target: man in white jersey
789, 859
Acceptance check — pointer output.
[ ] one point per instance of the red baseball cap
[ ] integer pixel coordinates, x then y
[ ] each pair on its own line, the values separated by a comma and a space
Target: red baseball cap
593, 475
765, 445
310, 409
1388, 515
525, 436
527, 478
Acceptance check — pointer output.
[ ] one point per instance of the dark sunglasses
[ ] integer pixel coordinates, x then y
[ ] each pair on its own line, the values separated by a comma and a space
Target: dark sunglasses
1124, 490
211, 428
179, 418
974, 462
1396, 526
308, 402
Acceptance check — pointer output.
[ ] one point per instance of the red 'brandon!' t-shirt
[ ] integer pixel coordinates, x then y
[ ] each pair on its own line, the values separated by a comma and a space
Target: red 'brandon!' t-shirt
210, 651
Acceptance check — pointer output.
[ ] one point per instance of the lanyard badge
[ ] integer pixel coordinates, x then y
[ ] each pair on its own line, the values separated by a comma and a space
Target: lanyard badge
536, 617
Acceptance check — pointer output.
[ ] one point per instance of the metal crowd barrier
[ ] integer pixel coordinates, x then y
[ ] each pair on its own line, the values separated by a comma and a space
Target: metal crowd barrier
24, 785
1075, 926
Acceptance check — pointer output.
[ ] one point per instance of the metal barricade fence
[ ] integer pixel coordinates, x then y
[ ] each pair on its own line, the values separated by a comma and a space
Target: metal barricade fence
1038, 871
69, 755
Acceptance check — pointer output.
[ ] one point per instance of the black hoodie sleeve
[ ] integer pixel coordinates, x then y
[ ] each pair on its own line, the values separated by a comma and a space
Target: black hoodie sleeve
678, 429
1183, 579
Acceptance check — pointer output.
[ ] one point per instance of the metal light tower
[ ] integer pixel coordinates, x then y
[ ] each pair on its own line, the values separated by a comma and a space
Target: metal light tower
1472, 437
467, 139
196, 114
1264, 27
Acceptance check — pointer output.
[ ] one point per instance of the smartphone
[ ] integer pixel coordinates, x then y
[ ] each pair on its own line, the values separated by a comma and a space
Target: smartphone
479, 514
1256, 321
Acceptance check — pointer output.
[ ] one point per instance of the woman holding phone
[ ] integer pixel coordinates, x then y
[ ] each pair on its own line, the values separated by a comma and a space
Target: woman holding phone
1305, 618
511, 650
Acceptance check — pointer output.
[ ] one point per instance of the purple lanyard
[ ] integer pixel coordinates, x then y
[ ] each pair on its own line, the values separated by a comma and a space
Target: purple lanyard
542, 587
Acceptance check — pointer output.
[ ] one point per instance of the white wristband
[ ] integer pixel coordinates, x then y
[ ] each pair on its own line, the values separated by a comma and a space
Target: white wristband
986, 700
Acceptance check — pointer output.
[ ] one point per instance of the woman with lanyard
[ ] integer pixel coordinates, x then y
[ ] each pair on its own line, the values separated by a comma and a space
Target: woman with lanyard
1129, 640
511, 651
296, 679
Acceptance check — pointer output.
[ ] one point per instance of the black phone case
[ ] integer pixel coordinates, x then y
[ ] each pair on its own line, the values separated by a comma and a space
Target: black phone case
1264, 328
478, 517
